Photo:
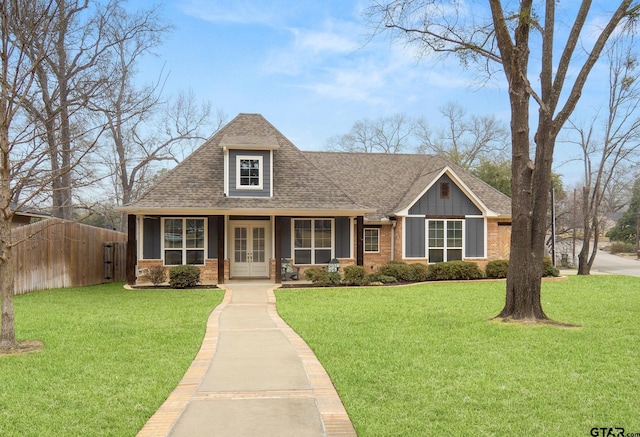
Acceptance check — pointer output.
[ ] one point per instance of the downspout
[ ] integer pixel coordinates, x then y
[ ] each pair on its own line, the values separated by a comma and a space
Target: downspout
394, 222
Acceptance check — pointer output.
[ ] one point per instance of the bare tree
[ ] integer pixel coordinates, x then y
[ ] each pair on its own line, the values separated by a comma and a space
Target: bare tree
506, 39
21, 22
152, 131
393, 134
74, 73
465, 140
143, 129
608, 157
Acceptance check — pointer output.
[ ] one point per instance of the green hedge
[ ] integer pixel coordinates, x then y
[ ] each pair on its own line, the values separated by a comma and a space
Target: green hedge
497, 268
184, 276
548, 269
454, 270
355, 275
321, 277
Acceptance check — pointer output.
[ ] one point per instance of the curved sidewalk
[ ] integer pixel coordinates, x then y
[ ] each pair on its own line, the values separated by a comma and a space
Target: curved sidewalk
253, 376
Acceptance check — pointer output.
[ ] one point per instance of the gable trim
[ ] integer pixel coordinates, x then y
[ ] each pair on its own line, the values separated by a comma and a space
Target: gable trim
460, 184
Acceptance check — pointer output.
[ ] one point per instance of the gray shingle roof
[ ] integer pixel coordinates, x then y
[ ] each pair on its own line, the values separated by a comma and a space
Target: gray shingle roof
378, 184
198, 181
389, 183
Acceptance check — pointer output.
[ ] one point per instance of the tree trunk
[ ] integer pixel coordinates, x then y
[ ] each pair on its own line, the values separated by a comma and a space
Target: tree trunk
64, 196
583, 256
528, 206
7, 331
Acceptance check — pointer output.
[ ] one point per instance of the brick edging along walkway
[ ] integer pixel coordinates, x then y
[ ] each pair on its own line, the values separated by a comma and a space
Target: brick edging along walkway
167, 415
332, 412
334, 417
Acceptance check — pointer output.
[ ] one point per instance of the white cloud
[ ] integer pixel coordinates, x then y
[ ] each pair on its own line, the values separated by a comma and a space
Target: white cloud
309, 48
234, 11
356, 84
323, 41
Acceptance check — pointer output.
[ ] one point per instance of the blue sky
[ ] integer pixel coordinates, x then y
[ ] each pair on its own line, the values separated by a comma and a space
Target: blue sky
309, 67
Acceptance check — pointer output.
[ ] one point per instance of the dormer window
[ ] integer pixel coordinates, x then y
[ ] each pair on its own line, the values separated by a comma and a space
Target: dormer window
249, 172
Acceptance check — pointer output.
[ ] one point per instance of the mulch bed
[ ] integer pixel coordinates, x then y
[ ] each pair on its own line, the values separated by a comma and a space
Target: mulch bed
167, 287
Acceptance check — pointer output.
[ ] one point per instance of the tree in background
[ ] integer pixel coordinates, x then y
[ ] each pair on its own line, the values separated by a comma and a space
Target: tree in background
465, 140
142, 128
21, 23
496, 173
626, 228
507, 38
393, 134
70, 76
611, 156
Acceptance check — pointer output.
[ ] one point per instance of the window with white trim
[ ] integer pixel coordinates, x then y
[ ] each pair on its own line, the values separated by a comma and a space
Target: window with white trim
312, 241
249, 172
444, 240
183, 241
371, 240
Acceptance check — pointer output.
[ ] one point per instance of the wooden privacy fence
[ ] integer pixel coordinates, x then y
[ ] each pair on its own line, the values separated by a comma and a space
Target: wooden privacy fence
54, 253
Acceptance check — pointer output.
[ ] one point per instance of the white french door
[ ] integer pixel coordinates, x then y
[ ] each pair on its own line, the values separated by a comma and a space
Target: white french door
250, 249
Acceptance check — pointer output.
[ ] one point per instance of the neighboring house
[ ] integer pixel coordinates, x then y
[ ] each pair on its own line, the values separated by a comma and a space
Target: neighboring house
24, 216
247, 198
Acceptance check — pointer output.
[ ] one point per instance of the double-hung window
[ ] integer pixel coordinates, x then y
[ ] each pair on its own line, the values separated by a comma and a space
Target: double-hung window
184, 240
249, 172
444, 240
312, 241
371, 240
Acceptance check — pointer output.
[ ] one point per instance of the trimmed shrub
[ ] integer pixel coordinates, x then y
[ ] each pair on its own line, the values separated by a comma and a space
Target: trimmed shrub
322, 278
156, 274
454, 270
497, 268
548, 269
354, 275
184, 276
622, 248
397, 269
382, 279
417, 273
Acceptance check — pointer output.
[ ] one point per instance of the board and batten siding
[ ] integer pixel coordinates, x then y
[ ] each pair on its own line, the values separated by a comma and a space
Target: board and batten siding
415, 238
342, 237
266, 173
474, 238
456, 206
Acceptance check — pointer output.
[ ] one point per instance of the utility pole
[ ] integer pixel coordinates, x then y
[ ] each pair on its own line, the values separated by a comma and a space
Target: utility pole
553, 226
573, 253
638, 233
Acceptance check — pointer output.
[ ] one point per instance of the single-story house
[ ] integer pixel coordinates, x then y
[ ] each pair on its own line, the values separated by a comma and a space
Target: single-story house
248, 198
25, 216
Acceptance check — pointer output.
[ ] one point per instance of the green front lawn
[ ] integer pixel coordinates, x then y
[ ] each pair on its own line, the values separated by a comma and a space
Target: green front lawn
426, 360
110, 358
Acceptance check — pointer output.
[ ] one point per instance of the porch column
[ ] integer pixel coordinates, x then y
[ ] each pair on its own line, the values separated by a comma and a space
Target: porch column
360, 240
277, 240
132, 249
220, 231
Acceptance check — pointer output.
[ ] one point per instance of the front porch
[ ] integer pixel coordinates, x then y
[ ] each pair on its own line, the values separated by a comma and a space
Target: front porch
243, 247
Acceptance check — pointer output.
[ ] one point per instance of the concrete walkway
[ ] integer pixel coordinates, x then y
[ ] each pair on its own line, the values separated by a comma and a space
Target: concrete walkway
253, 376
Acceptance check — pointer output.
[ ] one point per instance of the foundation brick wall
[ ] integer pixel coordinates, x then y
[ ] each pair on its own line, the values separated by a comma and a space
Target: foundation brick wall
208, 272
